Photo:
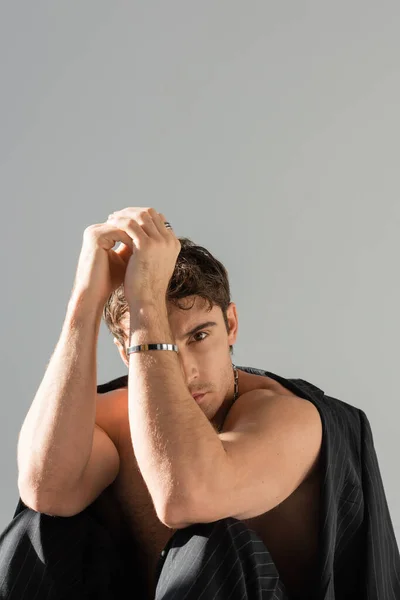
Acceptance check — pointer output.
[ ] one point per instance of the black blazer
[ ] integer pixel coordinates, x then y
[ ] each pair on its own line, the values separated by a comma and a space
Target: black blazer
359, 556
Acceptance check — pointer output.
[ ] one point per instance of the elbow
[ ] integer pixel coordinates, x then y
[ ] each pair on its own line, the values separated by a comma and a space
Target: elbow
165, 514
28, 493
29, 499
178, 514
171, 518
44, 502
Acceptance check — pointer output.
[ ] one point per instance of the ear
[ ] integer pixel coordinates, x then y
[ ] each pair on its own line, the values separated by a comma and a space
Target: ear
233, 323
122, 352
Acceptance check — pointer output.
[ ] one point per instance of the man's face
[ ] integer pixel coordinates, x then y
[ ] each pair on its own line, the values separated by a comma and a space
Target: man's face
204, 355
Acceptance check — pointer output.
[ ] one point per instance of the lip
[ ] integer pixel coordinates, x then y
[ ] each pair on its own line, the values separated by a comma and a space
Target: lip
198, 397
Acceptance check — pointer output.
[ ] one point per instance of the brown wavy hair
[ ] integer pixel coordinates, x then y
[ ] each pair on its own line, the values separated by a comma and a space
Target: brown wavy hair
197, 273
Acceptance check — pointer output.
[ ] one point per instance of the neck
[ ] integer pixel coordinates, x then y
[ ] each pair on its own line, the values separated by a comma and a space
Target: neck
230, 401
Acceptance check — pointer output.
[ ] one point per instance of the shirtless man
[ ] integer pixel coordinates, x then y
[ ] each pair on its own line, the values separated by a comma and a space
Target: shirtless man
254, 457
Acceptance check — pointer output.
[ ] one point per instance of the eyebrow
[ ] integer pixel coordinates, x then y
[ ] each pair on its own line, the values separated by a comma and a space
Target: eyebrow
197, 328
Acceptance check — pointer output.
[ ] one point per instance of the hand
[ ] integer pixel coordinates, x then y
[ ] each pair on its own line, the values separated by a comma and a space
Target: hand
155, 250
100, 268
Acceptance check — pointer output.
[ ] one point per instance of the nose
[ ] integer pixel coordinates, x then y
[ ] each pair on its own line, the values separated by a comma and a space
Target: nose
190, 374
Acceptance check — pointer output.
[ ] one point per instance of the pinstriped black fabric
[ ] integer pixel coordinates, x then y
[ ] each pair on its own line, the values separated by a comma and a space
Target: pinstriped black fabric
59, 558
359, 555
217, 561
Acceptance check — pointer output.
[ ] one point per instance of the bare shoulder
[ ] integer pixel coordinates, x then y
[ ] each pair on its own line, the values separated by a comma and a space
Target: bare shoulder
265, 409
109, 410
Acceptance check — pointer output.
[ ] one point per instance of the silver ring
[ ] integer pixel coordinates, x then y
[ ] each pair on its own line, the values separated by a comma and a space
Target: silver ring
167, 225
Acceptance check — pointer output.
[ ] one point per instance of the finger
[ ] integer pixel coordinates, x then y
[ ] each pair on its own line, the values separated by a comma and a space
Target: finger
119, 236
159, 222
165, 229
147, 217
124, 251
133, 229
144, 221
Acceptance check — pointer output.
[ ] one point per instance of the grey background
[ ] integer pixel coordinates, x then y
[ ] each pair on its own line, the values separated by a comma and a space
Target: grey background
267, 132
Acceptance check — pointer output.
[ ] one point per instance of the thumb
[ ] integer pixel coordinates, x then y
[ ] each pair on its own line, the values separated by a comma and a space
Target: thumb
124, 251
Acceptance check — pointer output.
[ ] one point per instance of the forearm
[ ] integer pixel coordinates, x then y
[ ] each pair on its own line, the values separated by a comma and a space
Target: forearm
55, 440
174, 443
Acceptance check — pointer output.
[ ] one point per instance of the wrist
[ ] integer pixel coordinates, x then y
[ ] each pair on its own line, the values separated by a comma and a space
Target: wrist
83, 307
142, 309
149, 319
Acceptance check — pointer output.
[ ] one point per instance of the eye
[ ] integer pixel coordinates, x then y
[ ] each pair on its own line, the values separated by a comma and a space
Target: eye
199, 333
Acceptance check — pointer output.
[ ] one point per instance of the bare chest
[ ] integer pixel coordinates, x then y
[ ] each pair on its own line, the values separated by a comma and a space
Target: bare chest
290, 531
126, 507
